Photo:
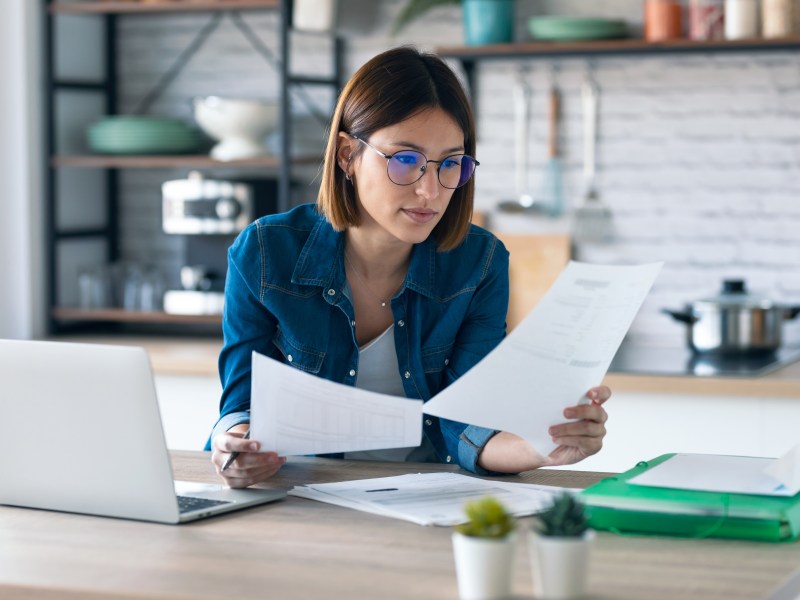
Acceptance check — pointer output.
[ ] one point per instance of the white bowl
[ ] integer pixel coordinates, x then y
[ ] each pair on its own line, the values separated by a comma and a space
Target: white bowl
238, 125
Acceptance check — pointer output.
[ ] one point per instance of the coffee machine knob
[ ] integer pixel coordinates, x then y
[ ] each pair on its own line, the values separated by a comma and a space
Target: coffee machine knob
227, 208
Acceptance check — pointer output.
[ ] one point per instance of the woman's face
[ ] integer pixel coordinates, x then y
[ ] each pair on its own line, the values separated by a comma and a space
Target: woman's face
406, 213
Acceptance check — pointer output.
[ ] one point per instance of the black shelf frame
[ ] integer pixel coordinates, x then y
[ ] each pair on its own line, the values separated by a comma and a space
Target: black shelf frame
108, 88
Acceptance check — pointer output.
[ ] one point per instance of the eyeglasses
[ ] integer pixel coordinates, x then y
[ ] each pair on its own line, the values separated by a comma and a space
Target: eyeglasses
408, 166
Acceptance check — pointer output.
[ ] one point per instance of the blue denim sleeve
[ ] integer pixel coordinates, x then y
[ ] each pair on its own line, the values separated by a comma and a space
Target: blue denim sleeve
482, 330
247, 325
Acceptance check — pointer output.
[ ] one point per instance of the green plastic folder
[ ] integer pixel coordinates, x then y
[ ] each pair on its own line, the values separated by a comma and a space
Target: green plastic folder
614, 504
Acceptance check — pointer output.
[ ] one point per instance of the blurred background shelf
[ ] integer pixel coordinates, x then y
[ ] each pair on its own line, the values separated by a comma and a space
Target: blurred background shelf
123, 7
118, 315
618, 46
171, 161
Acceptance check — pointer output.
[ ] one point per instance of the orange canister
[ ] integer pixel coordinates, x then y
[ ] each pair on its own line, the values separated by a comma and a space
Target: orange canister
663, 20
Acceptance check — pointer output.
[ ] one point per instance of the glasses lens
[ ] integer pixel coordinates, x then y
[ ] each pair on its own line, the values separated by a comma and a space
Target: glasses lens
406, 167
456, 170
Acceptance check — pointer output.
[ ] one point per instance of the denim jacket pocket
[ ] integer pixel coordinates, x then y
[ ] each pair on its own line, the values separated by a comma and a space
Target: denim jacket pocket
436, 359
298, 355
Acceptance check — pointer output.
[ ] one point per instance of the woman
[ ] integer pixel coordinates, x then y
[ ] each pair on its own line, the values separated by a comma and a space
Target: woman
384, 284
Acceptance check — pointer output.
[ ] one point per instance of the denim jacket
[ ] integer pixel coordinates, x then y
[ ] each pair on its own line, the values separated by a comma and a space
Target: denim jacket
286, 296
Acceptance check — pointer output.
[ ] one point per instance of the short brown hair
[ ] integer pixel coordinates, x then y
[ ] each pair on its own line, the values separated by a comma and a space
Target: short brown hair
390, 88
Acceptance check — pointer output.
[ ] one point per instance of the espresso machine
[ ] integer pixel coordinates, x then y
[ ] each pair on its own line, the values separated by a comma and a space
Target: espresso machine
208, 214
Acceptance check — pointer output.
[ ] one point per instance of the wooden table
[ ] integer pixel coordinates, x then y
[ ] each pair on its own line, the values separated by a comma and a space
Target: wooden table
302, 549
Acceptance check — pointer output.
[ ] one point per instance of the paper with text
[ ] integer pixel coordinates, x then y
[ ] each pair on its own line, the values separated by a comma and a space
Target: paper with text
295, 413
552, 358
429, 498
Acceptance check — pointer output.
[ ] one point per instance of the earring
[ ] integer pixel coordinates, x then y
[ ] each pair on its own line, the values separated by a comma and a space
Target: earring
347, 176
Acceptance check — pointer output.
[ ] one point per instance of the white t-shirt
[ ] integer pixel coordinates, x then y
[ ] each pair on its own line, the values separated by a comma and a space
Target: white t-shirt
378, 371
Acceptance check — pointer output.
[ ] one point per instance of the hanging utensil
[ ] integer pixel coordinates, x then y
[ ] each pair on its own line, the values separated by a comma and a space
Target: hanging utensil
592, 221
521, 97
550, 197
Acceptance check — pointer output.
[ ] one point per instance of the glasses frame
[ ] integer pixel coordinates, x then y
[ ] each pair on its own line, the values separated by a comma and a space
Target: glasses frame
424, 168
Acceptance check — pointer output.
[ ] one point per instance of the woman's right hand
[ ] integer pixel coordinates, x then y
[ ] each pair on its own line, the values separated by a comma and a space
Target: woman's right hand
250, 467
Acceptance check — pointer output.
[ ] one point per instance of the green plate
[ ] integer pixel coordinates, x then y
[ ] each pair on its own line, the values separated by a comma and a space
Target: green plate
142, 135
564, 29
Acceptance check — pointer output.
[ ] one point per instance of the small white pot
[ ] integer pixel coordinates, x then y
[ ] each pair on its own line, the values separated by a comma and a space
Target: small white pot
483, 566
560, 565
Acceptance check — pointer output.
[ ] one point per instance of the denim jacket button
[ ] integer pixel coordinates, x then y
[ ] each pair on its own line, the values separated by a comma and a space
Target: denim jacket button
400, 323
353, 323
331, 292
407, 375
446, 361
449, 459
352, 372
289, 357
428, 422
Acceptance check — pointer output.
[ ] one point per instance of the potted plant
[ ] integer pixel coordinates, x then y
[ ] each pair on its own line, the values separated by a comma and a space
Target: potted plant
483, 548
485, 21
559, 547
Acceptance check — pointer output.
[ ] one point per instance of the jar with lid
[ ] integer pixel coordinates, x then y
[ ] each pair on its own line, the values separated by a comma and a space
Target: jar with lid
741, 19
706, 19
777, 18
663, 20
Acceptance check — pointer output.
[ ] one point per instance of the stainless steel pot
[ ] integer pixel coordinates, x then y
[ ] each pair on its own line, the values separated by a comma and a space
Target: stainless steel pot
734, 322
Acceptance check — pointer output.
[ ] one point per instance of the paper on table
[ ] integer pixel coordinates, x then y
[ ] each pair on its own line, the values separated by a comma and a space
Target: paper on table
786, 469
295, 413
559, 351
716, 473
429, 498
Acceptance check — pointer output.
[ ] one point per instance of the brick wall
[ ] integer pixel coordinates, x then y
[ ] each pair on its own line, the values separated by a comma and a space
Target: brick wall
698, 155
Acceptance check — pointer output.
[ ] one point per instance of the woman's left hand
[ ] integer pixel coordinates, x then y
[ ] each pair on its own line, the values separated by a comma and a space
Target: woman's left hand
583, 437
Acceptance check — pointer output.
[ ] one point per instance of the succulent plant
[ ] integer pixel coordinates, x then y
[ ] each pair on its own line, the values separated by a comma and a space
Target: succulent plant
566, 517
488, 518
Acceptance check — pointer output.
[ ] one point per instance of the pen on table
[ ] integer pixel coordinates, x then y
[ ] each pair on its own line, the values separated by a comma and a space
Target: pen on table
234, 455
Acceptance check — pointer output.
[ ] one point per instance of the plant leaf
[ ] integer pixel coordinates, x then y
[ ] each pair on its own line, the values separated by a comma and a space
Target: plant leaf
414, 9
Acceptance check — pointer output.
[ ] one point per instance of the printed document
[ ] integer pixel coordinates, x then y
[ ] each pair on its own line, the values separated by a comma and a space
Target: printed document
551, 359
549, 362
429, 498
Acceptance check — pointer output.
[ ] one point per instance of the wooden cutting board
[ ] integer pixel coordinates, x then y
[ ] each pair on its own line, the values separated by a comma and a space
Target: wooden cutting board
536, 260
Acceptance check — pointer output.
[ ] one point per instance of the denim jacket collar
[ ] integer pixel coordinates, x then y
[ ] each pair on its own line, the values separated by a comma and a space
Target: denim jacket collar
327, 242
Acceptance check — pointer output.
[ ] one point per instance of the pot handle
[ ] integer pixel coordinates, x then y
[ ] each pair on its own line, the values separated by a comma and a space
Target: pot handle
791, 312
683, 317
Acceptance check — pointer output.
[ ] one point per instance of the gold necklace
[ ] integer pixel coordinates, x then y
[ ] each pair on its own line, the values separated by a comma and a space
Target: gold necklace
363, 281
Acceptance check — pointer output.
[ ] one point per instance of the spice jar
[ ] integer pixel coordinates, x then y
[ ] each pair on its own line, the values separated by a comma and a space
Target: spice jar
741, 19
777, 18
706, 19
663, 20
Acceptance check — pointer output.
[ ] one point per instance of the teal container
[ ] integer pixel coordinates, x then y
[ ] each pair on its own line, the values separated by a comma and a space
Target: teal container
488, 22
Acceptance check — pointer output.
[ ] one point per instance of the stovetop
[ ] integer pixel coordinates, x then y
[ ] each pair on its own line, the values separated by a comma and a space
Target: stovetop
661, 360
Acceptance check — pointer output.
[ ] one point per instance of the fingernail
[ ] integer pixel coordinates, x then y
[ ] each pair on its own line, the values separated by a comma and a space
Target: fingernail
551, 430
569, 413
593, 395
253, 446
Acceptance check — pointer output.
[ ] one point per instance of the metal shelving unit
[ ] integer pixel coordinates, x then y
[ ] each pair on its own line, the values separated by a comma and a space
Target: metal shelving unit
62, 318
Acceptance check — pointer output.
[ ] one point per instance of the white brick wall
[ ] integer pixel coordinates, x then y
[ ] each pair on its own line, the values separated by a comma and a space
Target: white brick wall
699, 155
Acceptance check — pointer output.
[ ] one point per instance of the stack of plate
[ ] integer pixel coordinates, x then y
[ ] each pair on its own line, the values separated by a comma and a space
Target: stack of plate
564, 29
142, 135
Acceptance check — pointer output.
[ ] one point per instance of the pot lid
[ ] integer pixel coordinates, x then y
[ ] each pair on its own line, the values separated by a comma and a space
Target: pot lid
734, 294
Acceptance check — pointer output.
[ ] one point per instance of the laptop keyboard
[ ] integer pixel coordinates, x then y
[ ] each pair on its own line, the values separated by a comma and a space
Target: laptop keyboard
190, 503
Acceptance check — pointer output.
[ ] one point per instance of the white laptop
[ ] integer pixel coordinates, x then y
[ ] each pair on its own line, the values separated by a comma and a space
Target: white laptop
80, 431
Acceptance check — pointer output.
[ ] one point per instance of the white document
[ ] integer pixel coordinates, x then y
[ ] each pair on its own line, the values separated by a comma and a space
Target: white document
717, 473
552, 358
429, 498
296, 413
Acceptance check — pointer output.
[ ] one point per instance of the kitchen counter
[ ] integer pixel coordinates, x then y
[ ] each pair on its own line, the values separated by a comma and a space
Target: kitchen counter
198, 356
